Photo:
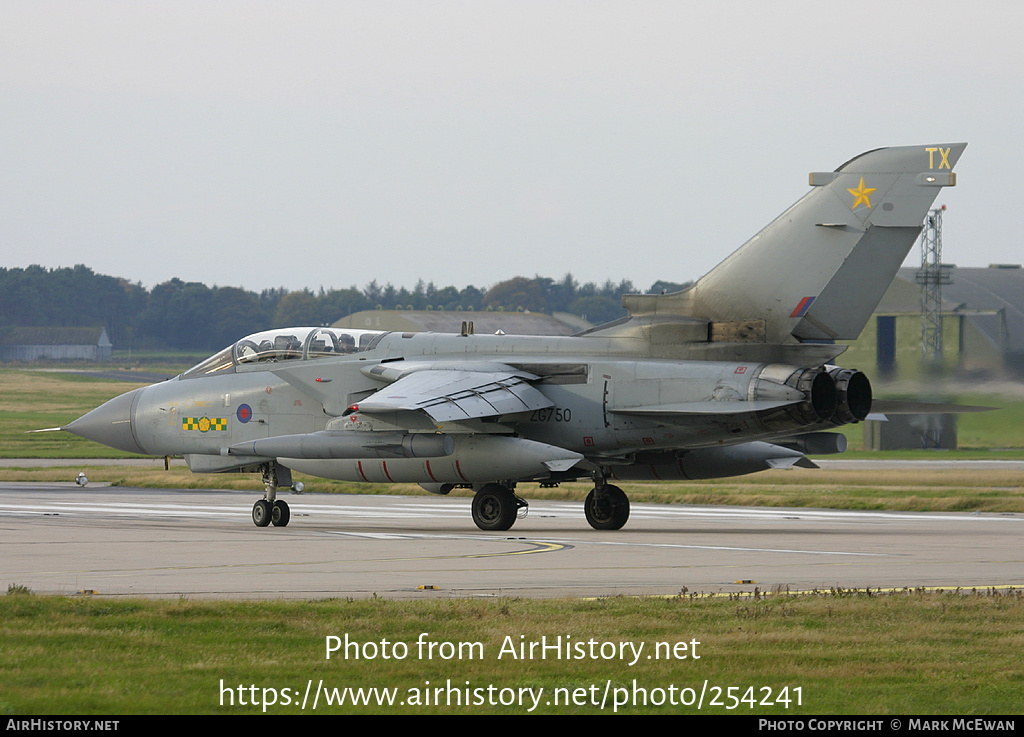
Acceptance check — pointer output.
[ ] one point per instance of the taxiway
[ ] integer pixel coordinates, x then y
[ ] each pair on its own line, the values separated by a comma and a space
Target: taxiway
62, 539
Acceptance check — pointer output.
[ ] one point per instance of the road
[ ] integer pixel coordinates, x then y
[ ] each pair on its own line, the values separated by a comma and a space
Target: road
62, 539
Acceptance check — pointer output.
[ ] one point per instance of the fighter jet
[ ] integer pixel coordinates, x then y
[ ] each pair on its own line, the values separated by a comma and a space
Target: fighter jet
731, 376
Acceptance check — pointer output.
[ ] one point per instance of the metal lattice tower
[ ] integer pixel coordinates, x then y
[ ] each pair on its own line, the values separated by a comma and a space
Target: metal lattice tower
931, 276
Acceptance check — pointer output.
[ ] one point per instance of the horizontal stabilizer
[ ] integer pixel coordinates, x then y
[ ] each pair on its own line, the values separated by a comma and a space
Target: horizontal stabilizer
902, 407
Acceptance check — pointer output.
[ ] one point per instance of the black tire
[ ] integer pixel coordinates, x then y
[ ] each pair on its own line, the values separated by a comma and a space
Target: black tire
261, 513
280, 514
611, 512
494, 508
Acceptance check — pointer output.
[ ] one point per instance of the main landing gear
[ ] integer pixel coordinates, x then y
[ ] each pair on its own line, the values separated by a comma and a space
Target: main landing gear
606, 507
496, 507
270, 510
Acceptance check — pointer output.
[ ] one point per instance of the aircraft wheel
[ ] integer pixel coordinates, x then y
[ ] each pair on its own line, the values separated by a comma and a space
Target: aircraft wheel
610, 511
280, 514
494, 508
261, 513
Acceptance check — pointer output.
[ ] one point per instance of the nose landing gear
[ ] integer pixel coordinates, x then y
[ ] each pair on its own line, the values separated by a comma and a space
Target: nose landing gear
270, 510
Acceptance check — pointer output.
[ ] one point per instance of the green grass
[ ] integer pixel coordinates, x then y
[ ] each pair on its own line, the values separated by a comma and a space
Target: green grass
950, 654
34, 400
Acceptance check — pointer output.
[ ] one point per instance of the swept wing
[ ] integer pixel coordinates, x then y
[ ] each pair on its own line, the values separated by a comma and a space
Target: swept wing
450, 395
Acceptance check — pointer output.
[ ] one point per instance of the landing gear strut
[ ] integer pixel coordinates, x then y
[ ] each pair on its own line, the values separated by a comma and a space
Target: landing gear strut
271, 510
496, 507
606, 507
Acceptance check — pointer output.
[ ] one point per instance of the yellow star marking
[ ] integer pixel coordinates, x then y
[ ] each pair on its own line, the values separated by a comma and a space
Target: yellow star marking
861, 193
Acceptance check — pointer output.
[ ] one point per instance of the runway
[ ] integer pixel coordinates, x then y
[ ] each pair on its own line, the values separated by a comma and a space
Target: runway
62, 539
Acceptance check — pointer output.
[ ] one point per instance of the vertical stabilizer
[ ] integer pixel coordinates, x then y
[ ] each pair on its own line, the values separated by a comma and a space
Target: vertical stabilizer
818, 271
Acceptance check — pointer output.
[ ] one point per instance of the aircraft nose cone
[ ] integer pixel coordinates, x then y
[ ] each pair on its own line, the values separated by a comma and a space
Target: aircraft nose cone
110, 424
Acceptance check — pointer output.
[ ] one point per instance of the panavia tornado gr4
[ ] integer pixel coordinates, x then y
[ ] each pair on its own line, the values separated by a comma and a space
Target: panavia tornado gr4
731, 376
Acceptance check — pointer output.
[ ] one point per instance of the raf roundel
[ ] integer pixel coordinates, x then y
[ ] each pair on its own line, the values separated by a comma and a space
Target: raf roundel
244, 413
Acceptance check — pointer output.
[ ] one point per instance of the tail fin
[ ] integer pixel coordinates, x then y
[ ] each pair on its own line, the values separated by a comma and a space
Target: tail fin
818, 271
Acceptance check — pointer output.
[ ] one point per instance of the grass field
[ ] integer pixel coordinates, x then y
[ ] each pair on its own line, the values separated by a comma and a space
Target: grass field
832, 653
33, 400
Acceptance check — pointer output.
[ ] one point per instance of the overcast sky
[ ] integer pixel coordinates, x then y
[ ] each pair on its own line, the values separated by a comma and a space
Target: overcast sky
265, 144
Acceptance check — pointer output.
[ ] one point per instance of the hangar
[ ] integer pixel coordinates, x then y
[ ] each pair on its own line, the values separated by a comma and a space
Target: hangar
42, 343
983, 326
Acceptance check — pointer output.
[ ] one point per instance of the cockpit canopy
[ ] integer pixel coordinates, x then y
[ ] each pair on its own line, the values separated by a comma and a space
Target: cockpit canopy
286, 344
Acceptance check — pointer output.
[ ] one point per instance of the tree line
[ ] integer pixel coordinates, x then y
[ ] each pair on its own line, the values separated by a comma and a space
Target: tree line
191, 315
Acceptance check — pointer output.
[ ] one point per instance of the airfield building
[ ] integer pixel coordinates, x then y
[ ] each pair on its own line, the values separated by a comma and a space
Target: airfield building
983, 326
50, 343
